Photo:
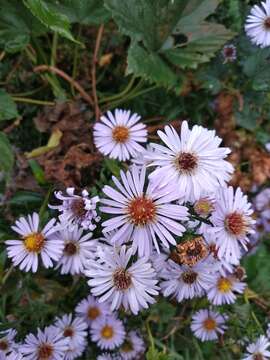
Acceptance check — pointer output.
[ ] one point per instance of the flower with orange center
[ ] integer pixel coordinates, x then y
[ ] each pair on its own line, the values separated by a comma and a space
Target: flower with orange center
93, 312
209, 324
141, 210
235, 224
107, 332
120, 134
34, 242
45, 351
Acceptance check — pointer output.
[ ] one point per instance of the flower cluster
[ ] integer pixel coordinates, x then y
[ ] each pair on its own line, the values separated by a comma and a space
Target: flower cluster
173, 227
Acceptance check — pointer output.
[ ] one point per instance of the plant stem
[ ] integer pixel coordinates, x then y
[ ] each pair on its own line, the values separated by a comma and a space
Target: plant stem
75, 59
54, 49
32, 101
93, 71
121, 94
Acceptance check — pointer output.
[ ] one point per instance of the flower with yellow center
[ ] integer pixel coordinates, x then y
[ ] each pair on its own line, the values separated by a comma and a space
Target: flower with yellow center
34, 242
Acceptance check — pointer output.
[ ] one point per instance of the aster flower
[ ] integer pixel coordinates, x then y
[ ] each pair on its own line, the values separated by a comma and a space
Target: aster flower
78, 248
108, 332
232, 223
258, 350
122, 282
207, 324
224, 289
107, 356
119, 135
258, 24
145, 216
229, 53
185, 282
90, 309
205, 205
262, 203
7, 341
77, 209
133, 347
13, 355
75, 331
48, 344
193, 161
34, 242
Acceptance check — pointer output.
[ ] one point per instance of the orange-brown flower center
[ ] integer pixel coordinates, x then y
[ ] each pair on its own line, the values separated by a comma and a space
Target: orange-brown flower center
258, 356
78, 208
190, 251
45, 351
120, 134
70, 248
122, 279
187, 162
189, 277
127, 346
235, 224
34, 242
68, 332
93, 312
267, 23
209, 324
107, 332
3, 344
141, 210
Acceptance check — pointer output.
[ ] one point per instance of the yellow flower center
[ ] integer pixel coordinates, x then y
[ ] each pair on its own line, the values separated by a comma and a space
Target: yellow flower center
107, 332
224, 285
203, 207
34, 242
209, 324
120, 134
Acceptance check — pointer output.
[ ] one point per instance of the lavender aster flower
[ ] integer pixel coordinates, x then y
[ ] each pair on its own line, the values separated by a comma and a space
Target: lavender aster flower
75, 331
34, 242
185, 282
107, 356
77, 209
232, 223
207, 324
258, 350
133, 347
224, 289
262, 203
122, 282
145, 216
7, 341
48, 344
192, 161
90, 309
78, 248
108, 332
119, 135
258, 24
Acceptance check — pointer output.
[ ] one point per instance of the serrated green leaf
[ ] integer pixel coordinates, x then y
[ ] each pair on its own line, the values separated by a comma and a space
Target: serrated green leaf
49, 17
8, 108
86, 12
6, 157
17, 24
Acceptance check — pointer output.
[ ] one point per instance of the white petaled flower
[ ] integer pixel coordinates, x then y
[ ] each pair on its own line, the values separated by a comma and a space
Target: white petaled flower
91, 310
107, 356
108, 332
7, 341
133, 347
48, 344
119, 135
144, 215
34, 243
207, 325
114, 278
78, 249
14, 355
232, 223
205, 205
75, 331
193, 161
185, 282
258, 24
258, 350
77, 209
224, 289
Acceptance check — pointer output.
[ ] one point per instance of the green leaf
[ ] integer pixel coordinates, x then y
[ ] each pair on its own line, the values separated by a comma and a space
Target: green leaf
154, 354
247, 118
49, 17
26, 197
113, 166
17, 25
8, 108
86, 12
7, 157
